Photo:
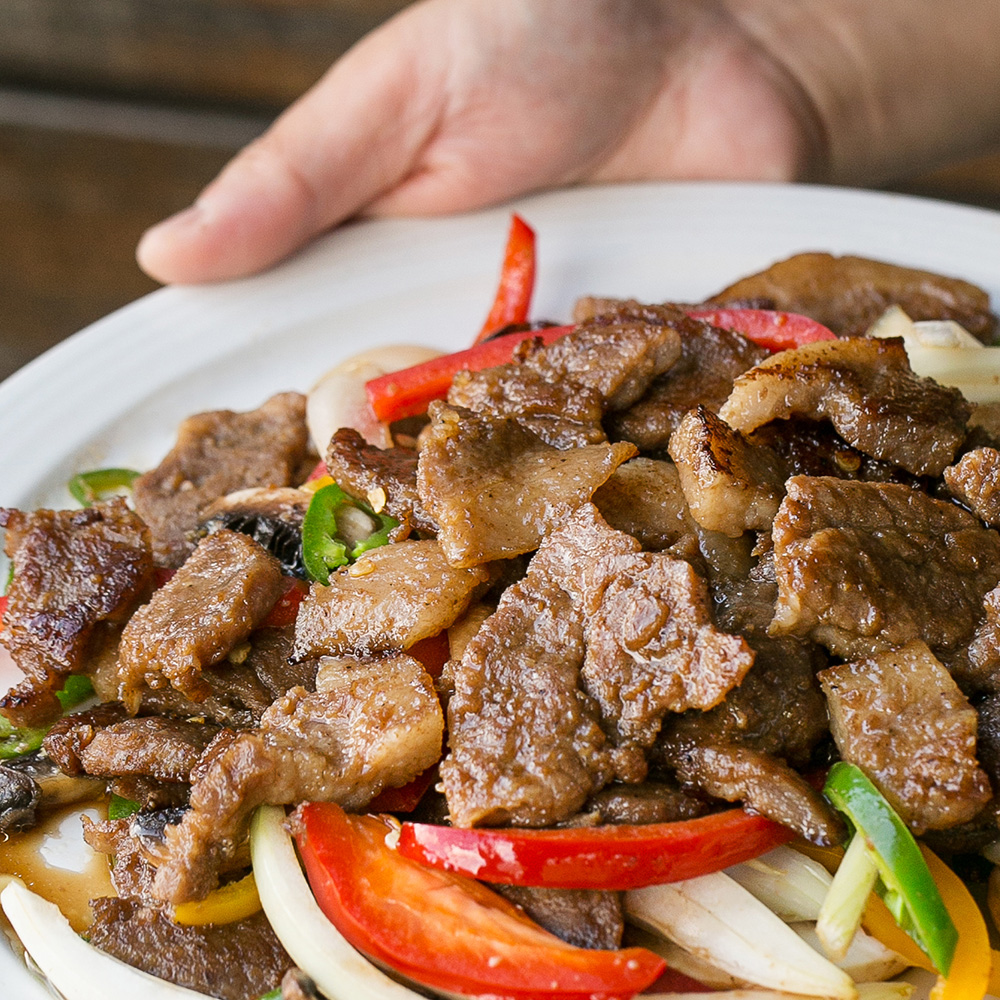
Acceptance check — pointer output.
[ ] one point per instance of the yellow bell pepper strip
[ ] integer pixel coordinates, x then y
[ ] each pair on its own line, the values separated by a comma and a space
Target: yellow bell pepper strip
969, 976
325, 542
905, 881
87, 488
225, 905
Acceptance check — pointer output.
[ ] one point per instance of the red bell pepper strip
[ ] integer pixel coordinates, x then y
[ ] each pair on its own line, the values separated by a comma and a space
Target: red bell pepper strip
517, 280
774, 331
3, 609
406, 393
445, 931
286, 607
599, 857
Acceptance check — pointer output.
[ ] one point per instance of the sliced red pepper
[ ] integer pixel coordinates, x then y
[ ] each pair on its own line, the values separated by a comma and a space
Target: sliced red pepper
286, 607
406, 798
598, 857
3, 608
774, 331
517, 280
432, 652
445, 931
407, 393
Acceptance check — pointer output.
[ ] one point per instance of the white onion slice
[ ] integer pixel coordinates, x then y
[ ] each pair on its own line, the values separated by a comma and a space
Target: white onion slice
786, 882
78, 970
315, 945
715, 918
867, 959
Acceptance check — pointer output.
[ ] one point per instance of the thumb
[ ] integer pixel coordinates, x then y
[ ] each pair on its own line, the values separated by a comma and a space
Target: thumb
348, 140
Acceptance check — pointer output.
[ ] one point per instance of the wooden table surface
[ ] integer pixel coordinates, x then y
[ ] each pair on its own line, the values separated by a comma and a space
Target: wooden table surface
114, 113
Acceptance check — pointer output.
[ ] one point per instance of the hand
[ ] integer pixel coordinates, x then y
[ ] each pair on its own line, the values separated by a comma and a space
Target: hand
456, 104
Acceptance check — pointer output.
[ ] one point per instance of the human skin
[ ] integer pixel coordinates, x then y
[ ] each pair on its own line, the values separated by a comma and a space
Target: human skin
457, 104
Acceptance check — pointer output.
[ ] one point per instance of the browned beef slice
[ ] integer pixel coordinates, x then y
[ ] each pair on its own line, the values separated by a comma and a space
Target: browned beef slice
902, 719
848, 294
74, 570
644, 499
563, 414
362, 469
710, 360
495, 488
587, 918
589, 308
867, 390
863, 567
131, 871
978, 667
212, 603
975, 480
72, 734
368, 726
218, 453
270, 660
391, 598
764, 784
730, 484
778, 709
652, 647
988, 737
618, 359
230, 961
648, 802
525, 743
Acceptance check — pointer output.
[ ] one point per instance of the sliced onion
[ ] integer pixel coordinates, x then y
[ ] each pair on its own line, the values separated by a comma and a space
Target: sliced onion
786, 882
315, 945
866, 991
867, 959
78, 970
715, 918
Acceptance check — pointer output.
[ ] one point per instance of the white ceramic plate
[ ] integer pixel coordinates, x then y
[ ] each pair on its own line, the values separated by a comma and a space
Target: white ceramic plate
114, 393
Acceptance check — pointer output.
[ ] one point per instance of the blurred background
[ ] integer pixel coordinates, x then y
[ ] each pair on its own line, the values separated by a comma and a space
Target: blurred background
115, 113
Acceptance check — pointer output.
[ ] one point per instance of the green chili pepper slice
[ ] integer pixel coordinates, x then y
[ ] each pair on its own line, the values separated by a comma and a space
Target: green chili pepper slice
121, 808
328, 543
16, 741
905, 882
87, 488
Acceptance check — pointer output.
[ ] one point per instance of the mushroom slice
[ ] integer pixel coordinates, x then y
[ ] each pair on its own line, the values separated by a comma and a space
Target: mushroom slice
271, 517
33, 784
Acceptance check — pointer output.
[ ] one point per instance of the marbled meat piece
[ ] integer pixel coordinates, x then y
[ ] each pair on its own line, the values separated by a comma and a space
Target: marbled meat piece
867, 390
586, 918
563, 414
763, 783
496, 489
212, 603
731, 484
778, 709
644, 499
218, 453
902, 719
230, 961
75, 570
652, 648
525, 742
361, 469
392, 597
975, 480
847, 294
711, 358
369, 725
863, 567
978, 667
660, 801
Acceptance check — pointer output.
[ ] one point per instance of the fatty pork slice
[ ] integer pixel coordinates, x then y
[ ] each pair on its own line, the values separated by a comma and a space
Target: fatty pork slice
219, 453
864, 567
975, 481
369, 725
731, 484
495, 489
210, 605
847, 294
75, 570
903, 720
867, 390
389, 599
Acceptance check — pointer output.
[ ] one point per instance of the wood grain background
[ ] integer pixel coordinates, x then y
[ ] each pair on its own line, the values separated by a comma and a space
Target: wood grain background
115, 113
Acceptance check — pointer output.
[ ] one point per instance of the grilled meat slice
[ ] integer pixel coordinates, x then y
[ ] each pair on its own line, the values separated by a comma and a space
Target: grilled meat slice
848, 294
495, 488
212, 603
864, 567
369, 725
587, 918
76, 571
902, 719
218, 453
975, 480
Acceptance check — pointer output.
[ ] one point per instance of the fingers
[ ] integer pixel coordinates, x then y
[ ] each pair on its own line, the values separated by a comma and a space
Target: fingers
356, 133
